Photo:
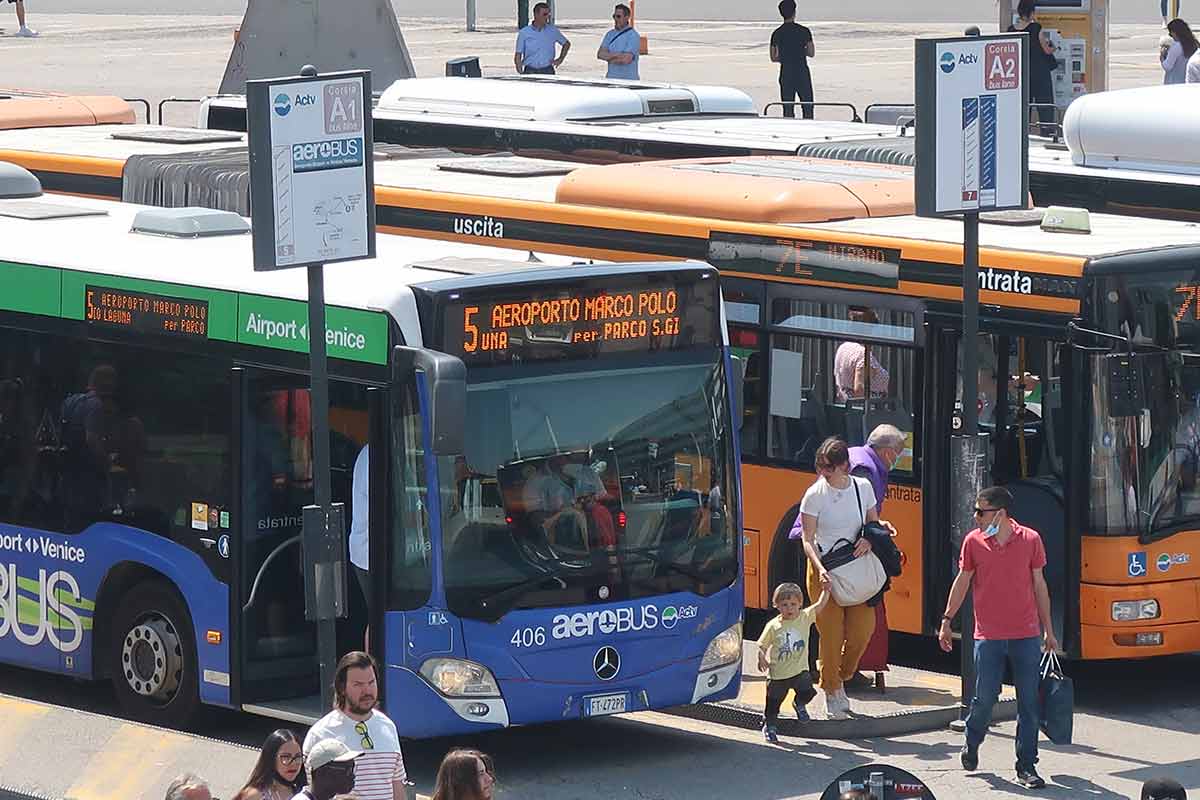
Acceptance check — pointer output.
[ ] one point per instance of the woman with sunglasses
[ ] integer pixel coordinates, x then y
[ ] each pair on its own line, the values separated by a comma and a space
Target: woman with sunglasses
833, 509
465, 775
276, 774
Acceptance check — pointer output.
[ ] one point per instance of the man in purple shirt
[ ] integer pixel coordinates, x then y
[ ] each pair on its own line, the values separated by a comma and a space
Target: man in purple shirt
884, 447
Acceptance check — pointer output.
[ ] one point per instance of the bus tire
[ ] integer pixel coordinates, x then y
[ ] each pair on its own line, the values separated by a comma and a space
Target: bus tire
786, 556
153, 656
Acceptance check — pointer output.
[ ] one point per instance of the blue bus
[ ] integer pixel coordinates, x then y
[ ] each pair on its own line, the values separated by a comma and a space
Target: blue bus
552, 480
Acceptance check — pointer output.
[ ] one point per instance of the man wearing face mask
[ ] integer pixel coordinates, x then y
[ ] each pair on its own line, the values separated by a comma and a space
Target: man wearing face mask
1002, 561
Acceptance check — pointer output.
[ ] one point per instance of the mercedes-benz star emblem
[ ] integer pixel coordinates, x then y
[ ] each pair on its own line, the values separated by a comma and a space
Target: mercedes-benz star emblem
607, 663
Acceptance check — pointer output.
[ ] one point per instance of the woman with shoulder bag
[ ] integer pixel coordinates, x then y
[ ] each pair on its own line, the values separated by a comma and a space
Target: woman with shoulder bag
833, 512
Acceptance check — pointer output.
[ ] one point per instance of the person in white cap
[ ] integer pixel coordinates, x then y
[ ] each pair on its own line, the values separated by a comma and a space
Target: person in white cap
330, 771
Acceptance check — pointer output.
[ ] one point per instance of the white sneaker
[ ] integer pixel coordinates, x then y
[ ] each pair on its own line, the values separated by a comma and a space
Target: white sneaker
25, 32
833, 707
843, 701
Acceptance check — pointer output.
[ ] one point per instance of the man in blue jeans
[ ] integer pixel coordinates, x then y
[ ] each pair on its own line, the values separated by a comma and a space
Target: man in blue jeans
1003, 561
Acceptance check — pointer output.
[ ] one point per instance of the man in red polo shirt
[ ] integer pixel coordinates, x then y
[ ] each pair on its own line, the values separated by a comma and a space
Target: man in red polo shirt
1003, 561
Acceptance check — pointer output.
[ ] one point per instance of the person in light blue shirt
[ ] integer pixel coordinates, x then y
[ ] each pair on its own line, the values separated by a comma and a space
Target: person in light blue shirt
536, 44
621, 46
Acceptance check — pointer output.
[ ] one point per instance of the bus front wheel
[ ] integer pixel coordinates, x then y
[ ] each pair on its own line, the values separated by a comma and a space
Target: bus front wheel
154, 656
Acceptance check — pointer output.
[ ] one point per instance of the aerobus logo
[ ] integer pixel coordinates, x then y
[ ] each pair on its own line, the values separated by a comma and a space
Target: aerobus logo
34, 611
608, 621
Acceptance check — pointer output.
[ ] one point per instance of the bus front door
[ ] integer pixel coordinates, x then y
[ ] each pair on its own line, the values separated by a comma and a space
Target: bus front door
1020, 404
275, 644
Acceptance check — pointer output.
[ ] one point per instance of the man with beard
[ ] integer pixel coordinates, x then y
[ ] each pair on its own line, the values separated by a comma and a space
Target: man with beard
379, 769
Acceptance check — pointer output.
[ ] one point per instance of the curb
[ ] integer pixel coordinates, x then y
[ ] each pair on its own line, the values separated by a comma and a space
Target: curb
878, 727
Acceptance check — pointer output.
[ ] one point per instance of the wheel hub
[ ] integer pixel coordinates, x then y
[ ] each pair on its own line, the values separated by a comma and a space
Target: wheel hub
152, 659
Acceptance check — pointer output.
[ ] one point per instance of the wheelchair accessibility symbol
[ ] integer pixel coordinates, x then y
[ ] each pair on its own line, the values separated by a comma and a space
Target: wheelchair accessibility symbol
1137, 565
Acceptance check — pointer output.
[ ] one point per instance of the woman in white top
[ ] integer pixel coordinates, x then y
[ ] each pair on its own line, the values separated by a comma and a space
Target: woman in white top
1174, 58
833, 508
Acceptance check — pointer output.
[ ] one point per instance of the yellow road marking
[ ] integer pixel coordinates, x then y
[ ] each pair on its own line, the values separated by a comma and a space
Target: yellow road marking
19, 716
127, 764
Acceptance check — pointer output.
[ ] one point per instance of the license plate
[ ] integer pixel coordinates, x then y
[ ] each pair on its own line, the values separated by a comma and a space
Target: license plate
605, 704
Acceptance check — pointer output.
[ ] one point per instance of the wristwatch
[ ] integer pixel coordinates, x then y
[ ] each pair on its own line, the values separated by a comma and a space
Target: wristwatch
946, 618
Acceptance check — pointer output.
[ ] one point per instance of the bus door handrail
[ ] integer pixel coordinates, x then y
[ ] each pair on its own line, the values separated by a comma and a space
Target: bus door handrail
262, 570
793, 103
171, 100
145, 104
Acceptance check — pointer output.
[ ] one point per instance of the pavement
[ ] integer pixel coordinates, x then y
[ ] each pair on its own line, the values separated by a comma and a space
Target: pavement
913, 700
866, 60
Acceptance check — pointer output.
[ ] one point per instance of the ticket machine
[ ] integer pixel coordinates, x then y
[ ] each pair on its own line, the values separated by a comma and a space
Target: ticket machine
1079, 31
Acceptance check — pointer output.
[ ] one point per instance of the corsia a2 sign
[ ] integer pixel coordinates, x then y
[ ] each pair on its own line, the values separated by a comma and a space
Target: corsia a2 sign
972, 124
312, 177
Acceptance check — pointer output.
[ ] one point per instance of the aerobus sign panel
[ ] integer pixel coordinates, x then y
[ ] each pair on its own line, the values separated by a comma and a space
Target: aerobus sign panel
972, 124
311, 170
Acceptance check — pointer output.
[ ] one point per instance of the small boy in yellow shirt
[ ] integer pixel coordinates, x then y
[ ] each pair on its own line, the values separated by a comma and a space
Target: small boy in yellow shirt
783, 654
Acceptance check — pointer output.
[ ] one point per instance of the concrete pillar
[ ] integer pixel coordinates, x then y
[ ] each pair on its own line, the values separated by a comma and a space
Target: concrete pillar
470, 15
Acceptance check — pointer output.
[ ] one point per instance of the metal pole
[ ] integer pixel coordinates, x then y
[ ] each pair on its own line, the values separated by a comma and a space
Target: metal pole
471, 15
322, 495
970, 361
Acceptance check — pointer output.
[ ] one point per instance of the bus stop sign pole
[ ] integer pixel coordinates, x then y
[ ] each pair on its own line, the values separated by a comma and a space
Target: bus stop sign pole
972, 149
313, 203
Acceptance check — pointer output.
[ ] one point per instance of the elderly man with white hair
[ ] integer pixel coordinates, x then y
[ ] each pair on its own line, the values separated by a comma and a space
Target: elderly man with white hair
188, 787
884, 447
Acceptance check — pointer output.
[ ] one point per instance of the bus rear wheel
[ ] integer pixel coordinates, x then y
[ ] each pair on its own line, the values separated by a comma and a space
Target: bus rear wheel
153, 653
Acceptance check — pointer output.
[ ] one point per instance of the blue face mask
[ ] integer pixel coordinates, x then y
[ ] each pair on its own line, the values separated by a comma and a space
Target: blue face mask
992, 529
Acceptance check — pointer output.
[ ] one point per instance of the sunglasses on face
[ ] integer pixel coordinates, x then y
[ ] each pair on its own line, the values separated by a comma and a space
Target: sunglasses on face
288, 761
979, 512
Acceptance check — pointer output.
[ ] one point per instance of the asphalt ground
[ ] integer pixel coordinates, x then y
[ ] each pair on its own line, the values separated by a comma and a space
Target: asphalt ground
1134, 720
155, 56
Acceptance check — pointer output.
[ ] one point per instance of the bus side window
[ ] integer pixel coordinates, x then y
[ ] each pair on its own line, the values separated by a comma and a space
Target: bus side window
113, 433
745, 344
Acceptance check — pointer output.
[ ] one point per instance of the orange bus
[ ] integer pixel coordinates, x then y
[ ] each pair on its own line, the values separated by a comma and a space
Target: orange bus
1102, 453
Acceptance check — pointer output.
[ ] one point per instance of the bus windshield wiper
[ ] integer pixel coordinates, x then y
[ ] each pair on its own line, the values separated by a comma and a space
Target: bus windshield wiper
494, 604
652, 555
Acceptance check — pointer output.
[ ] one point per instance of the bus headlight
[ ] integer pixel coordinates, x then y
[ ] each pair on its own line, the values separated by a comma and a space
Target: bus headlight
455, 677
1132, 610
725, 648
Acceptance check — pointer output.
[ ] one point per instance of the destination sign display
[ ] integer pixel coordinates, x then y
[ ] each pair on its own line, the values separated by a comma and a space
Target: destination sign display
146, 313
835, 262
551, 323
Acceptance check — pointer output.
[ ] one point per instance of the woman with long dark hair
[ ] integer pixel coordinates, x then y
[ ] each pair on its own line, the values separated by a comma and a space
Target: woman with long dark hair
276, 774
1183, 46
465, 775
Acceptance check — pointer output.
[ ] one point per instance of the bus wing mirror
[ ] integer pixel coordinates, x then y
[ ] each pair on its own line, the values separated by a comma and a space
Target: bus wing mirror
446, 381
737, 380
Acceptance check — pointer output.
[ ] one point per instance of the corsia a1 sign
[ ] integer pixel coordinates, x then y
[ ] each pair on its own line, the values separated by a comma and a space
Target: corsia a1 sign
972, 124
311, 172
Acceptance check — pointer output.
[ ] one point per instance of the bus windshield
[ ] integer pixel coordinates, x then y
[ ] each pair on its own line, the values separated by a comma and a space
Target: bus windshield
1145, 455
604, 482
